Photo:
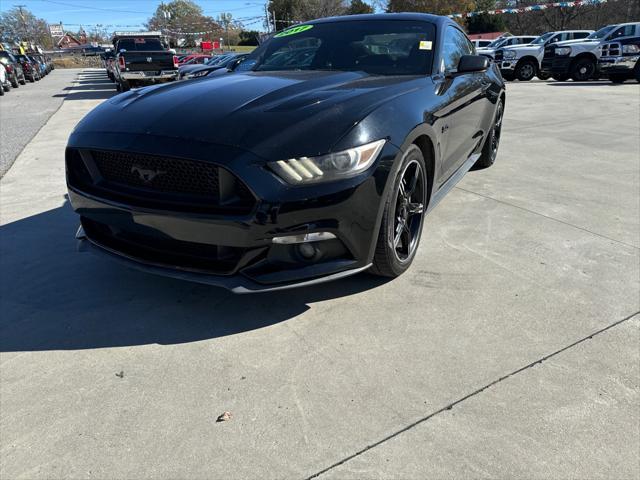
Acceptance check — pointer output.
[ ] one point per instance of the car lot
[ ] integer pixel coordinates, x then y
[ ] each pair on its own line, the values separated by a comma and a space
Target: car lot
509, 349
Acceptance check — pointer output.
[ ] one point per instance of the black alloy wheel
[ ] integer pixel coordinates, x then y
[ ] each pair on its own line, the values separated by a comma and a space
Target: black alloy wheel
403, 217
583, 69
491, 144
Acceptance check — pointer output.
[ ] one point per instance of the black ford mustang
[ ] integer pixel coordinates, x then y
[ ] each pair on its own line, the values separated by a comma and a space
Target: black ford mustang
319, 162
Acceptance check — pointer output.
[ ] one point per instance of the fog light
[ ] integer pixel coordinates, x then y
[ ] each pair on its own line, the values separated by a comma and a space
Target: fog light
307, 251
304, 238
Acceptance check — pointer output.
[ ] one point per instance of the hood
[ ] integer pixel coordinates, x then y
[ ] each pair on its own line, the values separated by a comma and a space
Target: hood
200, 68
190, 68
273, 115
584, 45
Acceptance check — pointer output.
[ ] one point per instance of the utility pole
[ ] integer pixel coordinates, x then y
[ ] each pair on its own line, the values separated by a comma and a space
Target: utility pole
266, 17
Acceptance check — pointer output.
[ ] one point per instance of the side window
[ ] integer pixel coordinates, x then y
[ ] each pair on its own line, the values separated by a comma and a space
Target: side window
625, 31
565, 36
554, 39
580, 35
455, 46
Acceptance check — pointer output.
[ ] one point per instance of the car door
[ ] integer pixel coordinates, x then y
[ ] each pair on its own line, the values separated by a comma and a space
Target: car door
465, 104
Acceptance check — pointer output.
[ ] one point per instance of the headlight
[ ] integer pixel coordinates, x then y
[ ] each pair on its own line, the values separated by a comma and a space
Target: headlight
563, 51
334, 166
198, 74
509, 54
631, 49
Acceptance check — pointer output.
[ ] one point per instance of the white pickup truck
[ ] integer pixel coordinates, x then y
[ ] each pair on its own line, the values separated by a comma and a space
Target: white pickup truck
579, 60
503, 42
522, 62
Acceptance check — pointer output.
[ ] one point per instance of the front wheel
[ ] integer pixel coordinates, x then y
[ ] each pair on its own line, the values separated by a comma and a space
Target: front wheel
583, 69
403, 217
526, 70
14, 82
23, 81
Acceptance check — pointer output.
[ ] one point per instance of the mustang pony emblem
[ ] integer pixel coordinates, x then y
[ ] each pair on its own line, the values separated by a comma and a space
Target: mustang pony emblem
146, 175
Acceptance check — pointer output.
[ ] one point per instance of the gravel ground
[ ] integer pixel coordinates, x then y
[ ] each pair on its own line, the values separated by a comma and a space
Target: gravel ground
23, 111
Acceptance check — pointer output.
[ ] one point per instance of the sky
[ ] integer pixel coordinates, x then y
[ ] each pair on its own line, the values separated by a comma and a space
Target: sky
122, 14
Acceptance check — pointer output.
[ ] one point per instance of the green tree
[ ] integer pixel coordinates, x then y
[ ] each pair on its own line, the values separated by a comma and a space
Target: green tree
249, 37
483, 22
183, 20
289, 12
19, 24
358, 7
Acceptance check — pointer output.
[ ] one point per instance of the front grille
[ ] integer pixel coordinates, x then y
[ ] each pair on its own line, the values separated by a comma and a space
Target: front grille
499, 56
164, 251
158, 173
611, 50
164, 183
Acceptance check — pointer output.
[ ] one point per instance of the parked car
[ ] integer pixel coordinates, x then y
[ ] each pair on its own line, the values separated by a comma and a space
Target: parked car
109, 60
44, 67
620, 59
481, 43
13, 68
5, 85
184, 70
142, 60
510, 41
194, 59
290, 174
523, 62
579, 60
30, 68
229, 63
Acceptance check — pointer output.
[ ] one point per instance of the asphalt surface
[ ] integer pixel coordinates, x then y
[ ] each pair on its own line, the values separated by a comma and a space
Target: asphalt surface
509, 350
24, 110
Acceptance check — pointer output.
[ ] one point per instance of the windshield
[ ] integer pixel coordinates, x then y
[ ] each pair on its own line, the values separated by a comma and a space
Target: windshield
379, 47
216, 60
601, 33
140, 44
542, 38
497, 43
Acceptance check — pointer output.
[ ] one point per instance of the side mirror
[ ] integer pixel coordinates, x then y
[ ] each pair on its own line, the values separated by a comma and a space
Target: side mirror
473, 63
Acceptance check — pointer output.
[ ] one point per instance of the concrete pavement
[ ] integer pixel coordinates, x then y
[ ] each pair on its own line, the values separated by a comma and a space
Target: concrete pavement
24, 110
519, 314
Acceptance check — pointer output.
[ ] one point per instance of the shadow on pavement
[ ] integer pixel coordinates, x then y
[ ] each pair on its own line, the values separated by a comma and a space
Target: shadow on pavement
594, 83
55, 298
91, 85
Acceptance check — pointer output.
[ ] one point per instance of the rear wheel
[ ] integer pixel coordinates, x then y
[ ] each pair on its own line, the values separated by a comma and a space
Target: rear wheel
403, 217
543, 76
583, 69
526, 70
491, 144
124, 86
14, 81
23, 81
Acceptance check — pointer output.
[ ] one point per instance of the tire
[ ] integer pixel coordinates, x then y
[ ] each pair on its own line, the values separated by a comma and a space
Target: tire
508, 77
32, 79
23, 81
560, 77
583, 69
491, 144
526, 70
7, 86
124, 86
636, 71
543, 76
14, 82
1, 90
617, 78
403, 217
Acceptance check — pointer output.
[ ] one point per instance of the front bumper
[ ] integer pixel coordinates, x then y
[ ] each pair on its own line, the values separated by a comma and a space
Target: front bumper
152, 76
618, 65
177, 243
507, 65
556, 65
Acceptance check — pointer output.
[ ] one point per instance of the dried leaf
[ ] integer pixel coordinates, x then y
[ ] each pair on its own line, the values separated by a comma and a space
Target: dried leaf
224, 417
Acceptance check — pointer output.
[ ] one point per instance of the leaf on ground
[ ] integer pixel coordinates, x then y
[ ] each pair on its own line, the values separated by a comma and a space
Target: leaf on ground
224, 417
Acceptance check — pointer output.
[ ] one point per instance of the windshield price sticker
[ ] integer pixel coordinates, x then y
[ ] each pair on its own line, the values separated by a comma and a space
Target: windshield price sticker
425, 45
293, 31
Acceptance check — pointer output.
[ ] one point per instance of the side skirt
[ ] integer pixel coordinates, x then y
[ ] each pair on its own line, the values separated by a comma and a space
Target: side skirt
453, 180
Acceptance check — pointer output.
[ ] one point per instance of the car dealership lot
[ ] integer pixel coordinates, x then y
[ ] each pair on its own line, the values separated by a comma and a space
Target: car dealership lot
107, 372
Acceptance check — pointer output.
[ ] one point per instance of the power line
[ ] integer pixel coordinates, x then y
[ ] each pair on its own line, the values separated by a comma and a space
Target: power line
92, 8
